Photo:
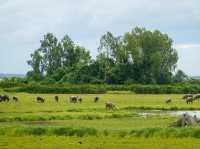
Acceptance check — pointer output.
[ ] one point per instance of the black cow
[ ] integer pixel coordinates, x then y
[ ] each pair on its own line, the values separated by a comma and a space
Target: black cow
15, 99
5, 98
168, 101
187, 96
197, 96
73, 99
56, 98
80, 100
40, 99
96, 99
189, 100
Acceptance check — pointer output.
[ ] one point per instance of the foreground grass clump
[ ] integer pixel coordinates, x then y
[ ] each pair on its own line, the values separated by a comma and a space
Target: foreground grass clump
63, 116
89, 131
49, 131
167, 132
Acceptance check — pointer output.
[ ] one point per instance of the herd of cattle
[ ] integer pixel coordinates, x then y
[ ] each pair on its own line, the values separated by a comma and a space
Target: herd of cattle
189, 98
72, 99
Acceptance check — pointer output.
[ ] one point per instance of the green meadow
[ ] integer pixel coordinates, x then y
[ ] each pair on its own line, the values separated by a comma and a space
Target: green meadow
31, 125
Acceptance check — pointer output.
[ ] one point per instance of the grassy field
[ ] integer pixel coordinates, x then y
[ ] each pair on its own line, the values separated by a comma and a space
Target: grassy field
55, 142
31, 125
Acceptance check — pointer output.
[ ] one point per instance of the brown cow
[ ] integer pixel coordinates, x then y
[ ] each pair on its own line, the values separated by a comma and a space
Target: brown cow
109, 105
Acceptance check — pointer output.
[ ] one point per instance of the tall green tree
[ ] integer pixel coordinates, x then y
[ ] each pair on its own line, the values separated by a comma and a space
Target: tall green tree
151, 54
37, 66
138, 56
55, 58
73, 54
51, 52
180, 76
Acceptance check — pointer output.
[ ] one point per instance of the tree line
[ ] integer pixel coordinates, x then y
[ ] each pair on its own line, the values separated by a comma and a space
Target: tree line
139, 56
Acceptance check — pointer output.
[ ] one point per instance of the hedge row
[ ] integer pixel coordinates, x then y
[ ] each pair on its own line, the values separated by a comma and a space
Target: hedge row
58, 89
100, 89
167, 89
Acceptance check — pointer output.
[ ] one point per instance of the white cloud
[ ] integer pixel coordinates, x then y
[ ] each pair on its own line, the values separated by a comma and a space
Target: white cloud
24, 22
189, 60
187, 46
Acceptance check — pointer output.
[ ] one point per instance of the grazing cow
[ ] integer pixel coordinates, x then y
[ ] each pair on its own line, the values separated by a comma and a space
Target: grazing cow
80, 100
109, 105
197, 96
168, 101
1, 98
187, 95
40, 100
189, 100
56, 98
15, 99
5, 98
73, 99
96, 99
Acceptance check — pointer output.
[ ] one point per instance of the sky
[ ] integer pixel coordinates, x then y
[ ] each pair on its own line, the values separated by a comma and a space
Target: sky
23, 24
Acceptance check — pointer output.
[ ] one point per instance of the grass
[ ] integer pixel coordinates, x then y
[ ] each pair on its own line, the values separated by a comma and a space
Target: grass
61, 142
28, 104
82, 131
27, 124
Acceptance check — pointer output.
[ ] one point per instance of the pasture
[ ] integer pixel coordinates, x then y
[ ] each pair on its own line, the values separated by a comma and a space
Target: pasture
29, 124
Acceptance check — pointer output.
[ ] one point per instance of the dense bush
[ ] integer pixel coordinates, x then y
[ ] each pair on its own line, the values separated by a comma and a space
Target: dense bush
89, 131
13, 82
165, 133
20, 85
167, 89
79, 89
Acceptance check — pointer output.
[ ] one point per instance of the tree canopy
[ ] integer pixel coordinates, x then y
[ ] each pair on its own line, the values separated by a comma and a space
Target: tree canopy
139, 56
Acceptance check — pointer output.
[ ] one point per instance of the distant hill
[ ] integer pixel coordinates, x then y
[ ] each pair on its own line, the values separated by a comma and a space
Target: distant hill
196, 77
3, 75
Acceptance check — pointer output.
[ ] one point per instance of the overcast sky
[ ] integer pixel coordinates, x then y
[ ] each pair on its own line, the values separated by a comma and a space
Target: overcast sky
24, 22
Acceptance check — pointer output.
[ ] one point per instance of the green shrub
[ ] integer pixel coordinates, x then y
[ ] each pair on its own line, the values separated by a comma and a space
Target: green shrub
29, 131
76, 89
70, 131
103, 88
105, 132
166, 89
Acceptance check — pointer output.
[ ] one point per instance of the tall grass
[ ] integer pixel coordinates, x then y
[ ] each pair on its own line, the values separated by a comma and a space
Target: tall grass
88, 131
33, 117
49, 131
166, 132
